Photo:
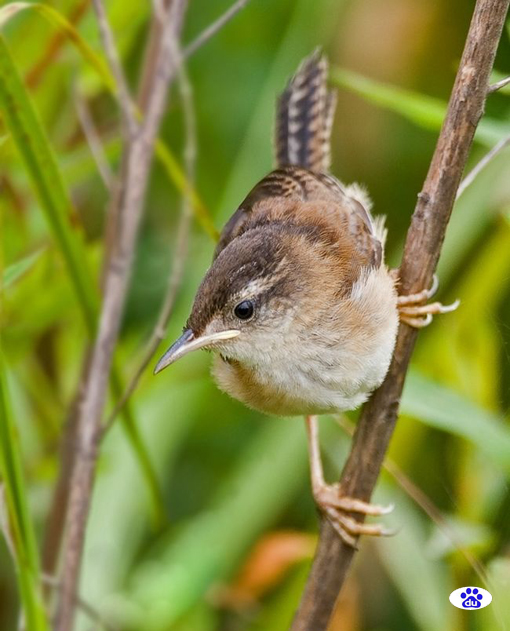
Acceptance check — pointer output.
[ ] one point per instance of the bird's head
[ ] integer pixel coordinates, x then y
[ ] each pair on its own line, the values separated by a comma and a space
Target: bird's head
247, 300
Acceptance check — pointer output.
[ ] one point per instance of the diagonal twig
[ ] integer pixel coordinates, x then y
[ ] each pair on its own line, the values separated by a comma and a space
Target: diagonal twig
213, 28
480, 166
91, 612
494, 87
421, 253
46, 579
125, 102
46, 58
127, 207
93, 140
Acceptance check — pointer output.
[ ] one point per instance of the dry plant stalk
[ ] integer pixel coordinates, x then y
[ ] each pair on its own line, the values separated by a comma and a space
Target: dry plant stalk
125, 215
83, 430
181, 243
421, 253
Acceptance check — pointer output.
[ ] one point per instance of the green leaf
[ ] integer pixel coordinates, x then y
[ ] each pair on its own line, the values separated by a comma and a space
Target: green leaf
62, 24
174, 171
420, 579
15, 271
497, 615
474, 211
440, 407
425, 111
96, 62
39, 159
20, 526
422, 110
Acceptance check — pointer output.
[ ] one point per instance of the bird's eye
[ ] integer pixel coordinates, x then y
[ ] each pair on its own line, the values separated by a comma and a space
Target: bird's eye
244, 310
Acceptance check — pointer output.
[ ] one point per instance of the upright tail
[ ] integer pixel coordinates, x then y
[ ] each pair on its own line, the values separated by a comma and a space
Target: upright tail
304, 117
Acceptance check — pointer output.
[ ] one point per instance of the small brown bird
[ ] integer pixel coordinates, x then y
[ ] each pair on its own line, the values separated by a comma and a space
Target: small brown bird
298, 305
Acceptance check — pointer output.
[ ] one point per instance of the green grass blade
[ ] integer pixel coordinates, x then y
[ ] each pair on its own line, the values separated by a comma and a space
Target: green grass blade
96, 62
425, 111
439, 407
42, 167
66, 28
31, 141
175, 173
422, 110
407, 565
15, 271
19, 522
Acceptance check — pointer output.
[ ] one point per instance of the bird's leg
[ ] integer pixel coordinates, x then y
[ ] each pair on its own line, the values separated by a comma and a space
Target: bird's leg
414, 310
330, 501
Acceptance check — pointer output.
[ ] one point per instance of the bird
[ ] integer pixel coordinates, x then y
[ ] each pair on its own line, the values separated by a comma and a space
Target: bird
299, 308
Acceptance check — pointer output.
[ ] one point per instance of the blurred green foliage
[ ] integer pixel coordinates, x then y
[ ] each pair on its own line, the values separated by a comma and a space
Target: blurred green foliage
230, 477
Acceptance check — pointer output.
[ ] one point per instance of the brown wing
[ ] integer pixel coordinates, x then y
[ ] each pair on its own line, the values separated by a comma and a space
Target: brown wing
294, 183
278, 183
302, 140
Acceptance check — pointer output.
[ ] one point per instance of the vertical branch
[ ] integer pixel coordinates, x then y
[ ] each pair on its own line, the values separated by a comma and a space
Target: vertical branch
127, 207
59, 510
55, 521
181, 242
421, 253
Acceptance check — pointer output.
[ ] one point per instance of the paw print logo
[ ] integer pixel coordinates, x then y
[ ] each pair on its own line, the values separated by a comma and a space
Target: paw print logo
470, 598
473, 598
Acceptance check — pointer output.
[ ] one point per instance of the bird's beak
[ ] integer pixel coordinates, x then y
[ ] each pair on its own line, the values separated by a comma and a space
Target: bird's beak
188, 342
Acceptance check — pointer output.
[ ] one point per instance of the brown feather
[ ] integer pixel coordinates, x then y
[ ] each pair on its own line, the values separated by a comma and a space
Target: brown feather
304, 251
304, 117
333, 206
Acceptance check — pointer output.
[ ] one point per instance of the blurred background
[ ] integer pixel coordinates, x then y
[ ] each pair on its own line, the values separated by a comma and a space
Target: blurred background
217, 530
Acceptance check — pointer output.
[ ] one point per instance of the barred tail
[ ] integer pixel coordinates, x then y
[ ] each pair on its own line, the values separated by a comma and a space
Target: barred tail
304, 117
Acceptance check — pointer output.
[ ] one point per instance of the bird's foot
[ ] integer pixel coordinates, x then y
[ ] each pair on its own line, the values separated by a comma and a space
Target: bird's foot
414, 311
337, 508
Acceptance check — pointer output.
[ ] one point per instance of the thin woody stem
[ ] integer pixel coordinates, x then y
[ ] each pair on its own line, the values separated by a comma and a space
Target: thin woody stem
127, 207
181, 245
213, 28
93, 140
480, 166
124, 97
59, 513
421, 253
91, 612
498, 85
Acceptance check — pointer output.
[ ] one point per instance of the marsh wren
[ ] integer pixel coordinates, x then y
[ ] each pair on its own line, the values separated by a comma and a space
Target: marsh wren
298, 304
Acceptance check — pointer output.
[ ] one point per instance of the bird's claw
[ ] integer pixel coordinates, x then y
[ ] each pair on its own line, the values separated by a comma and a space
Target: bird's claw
415, 313
336, 508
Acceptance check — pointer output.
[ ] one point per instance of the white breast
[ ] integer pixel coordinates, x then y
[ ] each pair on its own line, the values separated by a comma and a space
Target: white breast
333, 368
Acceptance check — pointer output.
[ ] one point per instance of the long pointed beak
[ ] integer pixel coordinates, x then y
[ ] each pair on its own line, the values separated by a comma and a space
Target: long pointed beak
188, 342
